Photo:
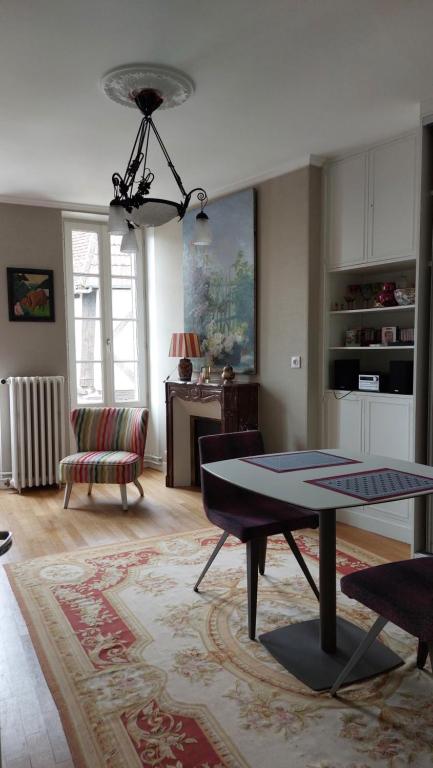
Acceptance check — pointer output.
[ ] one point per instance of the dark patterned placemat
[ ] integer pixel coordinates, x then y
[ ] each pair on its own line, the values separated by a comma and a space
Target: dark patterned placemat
375, 484
290, 462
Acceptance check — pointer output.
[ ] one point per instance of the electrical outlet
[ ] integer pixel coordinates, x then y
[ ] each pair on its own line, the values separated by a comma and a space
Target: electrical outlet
295, 362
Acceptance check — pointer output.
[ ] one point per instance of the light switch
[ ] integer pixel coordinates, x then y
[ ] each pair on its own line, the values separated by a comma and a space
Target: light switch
295, 362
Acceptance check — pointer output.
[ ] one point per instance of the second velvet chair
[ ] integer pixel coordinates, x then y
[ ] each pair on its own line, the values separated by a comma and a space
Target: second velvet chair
248, 516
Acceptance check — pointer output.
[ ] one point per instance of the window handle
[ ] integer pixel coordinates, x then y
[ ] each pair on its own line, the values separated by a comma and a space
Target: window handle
108, 342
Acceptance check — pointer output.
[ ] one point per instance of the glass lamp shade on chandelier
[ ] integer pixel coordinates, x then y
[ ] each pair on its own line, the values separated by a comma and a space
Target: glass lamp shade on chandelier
149, 88
184, 345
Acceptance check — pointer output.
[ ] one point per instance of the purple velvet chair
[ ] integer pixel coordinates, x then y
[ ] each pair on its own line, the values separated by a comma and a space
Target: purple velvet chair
248, 516
399, 592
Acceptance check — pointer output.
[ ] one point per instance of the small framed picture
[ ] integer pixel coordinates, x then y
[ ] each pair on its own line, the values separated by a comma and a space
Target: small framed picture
30, 295
389, 334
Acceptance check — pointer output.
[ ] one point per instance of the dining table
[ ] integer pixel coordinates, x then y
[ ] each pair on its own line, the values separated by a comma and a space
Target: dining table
315, 650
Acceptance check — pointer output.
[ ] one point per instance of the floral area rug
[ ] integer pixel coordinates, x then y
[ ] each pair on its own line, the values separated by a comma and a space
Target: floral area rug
146, 672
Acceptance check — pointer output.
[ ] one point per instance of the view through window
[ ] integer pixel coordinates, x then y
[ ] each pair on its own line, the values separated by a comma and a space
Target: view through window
106, 333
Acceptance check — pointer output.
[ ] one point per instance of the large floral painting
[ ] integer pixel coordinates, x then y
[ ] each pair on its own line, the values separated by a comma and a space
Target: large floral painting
219, 283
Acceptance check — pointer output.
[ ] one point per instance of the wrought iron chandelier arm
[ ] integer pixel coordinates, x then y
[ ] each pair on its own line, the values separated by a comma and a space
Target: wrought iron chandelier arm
177, 178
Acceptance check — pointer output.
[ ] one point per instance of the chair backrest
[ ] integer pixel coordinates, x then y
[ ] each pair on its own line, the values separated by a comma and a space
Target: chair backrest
229, 445
110, 429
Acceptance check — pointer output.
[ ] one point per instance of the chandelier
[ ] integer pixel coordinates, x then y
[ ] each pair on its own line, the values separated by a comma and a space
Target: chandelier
149, 87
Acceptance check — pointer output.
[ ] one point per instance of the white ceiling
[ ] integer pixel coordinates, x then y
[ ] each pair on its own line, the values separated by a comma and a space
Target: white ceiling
276, 81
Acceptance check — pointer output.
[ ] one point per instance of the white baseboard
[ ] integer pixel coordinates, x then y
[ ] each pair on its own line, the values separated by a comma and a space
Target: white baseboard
369, 522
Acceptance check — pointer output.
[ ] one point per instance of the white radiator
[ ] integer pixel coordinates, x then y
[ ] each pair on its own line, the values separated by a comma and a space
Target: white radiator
37, 413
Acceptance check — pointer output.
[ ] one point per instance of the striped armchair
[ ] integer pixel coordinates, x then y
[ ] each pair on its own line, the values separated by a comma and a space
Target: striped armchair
110, 449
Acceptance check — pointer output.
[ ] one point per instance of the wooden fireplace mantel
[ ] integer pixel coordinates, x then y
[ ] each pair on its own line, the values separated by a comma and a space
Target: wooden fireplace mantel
239, 408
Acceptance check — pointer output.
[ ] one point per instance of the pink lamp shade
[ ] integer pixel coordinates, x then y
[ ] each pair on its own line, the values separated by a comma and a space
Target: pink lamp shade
184, 345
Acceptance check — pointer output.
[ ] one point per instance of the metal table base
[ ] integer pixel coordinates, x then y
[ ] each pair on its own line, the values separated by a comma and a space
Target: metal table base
297, 647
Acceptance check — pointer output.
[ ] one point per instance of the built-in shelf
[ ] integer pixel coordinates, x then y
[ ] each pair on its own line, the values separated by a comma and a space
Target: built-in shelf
376, 349
371, 309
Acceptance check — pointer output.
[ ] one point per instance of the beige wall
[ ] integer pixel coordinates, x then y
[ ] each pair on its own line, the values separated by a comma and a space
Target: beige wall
30, 237
288, 254
288, 313
288, 306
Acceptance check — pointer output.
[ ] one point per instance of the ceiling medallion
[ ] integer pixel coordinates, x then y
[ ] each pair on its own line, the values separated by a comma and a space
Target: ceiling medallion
148, 87
123, 83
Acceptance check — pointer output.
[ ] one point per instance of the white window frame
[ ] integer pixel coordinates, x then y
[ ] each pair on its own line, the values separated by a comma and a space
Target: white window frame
96, 223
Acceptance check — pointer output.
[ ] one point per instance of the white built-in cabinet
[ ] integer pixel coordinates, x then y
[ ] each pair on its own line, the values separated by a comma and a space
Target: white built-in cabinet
371, 222
379, 424
371, 205
346, 195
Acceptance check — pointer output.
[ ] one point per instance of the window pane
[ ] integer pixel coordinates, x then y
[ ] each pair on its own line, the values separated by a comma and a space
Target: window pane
85, 252
88, 340
124, 340
89, 383
123, 293
86, 296
122, 264
125, 382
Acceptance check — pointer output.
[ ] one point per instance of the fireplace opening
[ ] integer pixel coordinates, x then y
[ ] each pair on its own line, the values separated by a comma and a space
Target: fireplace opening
200, 426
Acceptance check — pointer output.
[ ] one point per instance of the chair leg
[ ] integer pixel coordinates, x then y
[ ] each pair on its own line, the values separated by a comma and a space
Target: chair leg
302, 564
359, 653
138, 485
68, 490
253, 555
124, 498
89, 490
220, 543
423, 651
262, 555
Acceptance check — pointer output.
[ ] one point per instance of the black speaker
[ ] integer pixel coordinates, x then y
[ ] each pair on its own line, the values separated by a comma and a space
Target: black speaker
346, 374
401, 377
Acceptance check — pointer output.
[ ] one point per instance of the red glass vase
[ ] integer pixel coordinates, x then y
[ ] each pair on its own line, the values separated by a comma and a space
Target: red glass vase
386, 296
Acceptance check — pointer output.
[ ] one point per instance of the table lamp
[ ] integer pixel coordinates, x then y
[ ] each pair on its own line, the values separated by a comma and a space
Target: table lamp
184, 345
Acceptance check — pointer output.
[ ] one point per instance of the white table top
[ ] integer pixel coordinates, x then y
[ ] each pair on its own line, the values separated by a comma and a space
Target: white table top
292, 488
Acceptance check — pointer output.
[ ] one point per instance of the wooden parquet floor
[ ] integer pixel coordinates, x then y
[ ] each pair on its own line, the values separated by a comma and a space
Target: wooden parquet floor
31, 732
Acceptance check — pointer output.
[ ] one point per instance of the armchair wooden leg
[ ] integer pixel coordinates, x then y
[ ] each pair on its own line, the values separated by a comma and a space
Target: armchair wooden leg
253, 553
138, 485
124, 498
68, 490
89, 490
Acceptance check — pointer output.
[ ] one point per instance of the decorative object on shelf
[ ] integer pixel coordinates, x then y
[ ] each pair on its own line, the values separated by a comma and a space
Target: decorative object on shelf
184, 345
389, 334
352, 337
148, 87
386, 296
367, 294
219, 283
206, 373
228, 374
30, 295
407, 335
368, 336
404, 297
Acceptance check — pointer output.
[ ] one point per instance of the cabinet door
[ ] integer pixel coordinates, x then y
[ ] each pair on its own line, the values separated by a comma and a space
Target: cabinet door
346, 207
343, 423
392, 199
388, 432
